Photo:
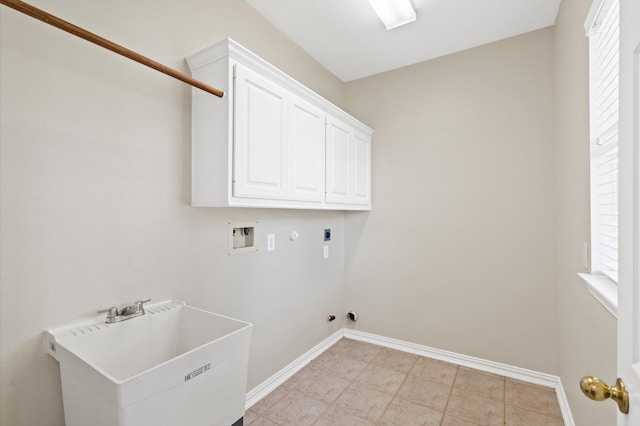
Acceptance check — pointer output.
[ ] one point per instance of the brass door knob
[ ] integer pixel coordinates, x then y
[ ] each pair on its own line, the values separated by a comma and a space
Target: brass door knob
598, 390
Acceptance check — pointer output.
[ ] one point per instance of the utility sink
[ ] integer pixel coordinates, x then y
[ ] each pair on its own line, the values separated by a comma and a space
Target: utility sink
174, 365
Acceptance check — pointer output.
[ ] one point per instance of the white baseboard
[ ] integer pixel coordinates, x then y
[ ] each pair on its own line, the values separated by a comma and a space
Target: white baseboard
505, 370
264, 388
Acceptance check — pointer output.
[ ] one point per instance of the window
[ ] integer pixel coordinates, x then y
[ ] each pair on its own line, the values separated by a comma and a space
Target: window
602, 27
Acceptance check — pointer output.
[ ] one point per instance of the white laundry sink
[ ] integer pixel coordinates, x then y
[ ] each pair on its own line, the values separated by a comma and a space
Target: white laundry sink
175, 365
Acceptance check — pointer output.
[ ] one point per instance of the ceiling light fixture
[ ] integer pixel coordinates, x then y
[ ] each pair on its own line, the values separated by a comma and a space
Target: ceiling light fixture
394, 13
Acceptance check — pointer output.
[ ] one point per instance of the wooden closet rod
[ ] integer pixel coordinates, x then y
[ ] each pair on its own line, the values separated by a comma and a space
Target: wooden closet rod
43, 16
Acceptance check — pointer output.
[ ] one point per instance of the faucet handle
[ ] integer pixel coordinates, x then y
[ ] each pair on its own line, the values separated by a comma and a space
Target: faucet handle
139, 305
112, 312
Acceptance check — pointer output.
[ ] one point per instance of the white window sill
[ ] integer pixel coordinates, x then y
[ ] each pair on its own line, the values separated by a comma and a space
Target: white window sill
604, 290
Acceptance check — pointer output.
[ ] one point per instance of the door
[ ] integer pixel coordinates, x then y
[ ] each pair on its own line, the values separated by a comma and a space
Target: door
306, 151
629, 250
339, 162
260, 137
361, 168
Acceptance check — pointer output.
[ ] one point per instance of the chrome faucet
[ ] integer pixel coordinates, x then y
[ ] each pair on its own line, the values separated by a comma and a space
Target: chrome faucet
114, 315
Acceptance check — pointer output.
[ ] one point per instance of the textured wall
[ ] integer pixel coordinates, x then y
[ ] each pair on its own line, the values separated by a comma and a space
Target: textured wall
95, 181
459, 250
480, 200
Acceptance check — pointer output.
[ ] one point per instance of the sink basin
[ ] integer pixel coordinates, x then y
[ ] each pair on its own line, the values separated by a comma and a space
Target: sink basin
175, 365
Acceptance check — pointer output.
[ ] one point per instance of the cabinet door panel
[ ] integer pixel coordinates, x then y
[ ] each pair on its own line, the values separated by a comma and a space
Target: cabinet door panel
339, 162
260, 155
306, 151
362, 165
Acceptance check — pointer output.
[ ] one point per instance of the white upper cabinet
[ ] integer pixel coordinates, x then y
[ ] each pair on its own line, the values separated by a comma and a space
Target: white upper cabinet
260, 157
362, 168
339, 161
270, 141
348, 164
306, 151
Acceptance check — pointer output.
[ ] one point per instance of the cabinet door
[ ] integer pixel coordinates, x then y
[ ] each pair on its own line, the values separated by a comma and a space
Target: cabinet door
306, 151
361, 168
260, 137
339, 162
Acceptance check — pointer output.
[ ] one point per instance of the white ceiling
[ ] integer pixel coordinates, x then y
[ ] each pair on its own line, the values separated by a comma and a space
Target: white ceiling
347, 37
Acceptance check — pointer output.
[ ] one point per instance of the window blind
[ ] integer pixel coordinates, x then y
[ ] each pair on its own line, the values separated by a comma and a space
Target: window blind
604, 90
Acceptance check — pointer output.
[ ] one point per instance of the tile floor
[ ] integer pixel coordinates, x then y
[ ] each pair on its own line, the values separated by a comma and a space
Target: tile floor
355, 383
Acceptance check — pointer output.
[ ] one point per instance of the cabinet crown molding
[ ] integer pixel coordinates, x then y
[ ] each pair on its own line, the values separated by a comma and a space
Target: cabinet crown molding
228, 48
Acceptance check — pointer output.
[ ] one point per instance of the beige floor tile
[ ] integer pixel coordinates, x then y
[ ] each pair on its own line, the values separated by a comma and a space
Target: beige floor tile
533, 385
429, 394
253, 419
363, 402
301, 376
382, 379
338, 348
515, 416
476, 409
403, 413
296, 408
480, 383
355, 383
435, 371
360, 350
395, 360
262, 406
454, 421
323, 386
532, 397
340, 345
249, 417
341, 366
335, 416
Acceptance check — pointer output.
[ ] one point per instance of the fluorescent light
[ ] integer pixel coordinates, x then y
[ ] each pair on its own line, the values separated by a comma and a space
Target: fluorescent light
394, 13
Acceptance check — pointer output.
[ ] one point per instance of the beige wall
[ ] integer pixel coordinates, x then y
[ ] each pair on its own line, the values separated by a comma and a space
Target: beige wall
95, 180
586, 331
480, 200
459, 250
